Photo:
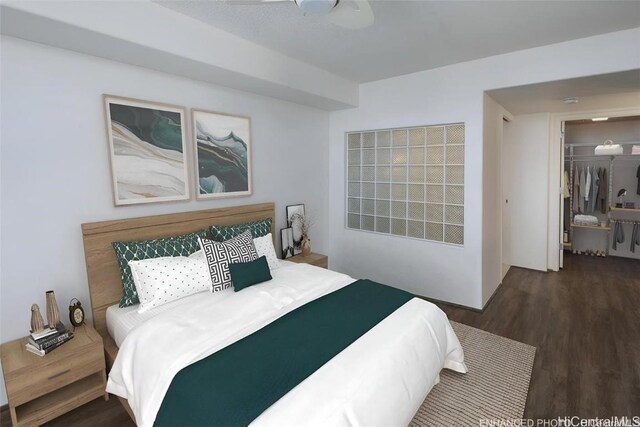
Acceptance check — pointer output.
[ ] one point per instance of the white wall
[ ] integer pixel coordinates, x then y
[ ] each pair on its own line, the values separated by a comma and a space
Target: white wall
55, 166
426, 268
445, 95
527, 153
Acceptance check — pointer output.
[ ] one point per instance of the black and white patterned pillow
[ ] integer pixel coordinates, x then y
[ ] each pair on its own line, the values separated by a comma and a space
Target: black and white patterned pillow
220, 254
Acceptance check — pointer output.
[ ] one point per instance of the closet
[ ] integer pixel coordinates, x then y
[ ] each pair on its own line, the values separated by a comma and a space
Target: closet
602, 192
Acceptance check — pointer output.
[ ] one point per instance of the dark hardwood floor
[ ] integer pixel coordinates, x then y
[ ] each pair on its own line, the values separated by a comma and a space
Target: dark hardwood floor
584, 322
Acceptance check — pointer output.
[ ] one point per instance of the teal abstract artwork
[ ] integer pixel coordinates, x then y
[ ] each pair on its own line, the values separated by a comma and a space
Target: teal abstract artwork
147, 151
223, 160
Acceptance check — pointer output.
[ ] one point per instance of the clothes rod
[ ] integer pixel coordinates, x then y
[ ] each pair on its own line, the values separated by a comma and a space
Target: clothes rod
593, 158
590, 156
625, 221
595, 144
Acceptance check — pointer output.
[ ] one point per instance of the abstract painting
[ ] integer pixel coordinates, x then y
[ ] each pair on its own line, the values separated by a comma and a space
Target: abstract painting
147, 150
223, 154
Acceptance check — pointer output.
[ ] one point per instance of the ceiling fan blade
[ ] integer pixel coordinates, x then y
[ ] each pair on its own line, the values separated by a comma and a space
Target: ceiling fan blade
352, 14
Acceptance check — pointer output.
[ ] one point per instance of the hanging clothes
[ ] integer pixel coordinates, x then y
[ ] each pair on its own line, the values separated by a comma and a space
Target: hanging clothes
566, 185
604, 192
635, 236
583, 184
587, 186
599, 189
618, 235
576, 189
595, 184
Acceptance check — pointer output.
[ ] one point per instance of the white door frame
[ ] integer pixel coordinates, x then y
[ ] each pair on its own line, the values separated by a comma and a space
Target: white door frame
556, 171
505, 256
561, 197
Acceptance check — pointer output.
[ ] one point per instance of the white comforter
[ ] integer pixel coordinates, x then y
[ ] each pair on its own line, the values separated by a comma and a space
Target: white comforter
379, 380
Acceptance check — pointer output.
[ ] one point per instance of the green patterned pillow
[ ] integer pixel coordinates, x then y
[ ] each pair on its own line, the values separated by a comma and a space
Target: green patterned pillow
183, 245
221, 233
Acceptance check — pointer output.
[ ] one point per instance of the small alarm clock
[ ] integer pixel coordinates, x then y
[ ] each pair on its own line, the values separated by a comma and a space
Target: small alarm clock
76, 313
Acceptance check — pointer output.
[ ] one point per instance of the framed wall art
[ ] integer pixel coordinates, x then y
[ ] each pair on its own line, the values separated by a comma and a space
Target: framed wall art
223, 154
146, 151
286, 241
295, 226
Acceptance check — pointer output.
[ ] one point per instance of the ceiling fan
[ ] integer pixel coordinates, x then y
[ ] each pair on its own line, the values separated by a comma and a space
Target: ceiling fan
351, 14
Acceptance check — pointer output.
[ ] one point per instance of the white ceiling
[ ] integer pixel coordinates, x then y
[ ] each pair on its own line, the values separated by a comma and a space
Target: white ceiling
593, 92
410, 36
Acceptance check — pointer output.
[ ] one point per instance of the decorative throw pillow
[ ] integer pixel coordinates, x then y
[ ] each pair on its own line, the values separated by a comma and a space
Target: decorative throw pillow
183, 245
220, 254
162, 280
264, 247
220, 233
245, 274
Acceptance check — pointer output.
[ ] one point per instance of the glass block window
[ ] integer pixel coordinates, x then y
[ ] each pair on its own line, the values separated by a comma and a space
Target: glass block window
407, 182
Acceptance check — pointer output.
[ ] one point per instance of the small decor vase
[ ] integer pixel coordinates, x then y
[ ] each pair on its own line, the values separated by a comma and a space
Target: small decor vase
53, 313
37, 323
306, 246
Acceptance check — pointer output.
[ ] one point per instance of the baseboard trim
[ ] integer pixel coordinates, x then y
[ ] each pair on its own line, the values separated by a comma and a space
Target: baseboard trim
464, 307
452, 304
492, 296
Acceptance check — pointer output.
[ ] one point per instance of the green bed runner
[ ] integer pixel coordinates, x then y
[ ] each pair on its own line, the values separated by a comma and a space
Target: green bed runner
233, 386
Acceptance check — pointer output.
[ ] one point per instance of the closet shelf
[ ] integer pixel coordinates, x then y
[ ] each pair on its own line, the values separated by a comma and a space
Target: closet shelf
625, 209
592, 227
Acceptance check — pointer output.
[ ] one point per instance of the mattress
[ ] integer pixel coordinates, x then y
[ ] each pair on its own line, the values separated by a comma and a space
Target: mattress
122, 320
404, 354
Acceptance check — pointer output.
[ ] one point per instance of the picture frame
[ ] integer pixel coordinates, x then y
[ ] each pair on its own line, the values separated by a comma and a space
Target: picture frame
222, 149
286, 242
297, 232
147, 151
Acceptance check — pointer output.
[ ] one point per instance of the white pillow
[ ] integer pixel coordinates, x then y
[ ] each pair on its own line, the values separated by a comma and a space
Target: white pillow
264, 247
162, 280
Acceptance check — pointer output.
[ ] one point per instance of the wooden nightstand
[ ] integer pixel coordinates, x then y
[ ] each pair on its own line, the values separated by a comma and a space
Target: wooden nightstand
318, 260
42, 388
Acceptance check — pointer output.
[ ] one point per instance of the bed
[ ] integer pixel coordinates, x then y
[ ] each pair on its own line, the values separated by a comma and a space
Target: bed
381, 378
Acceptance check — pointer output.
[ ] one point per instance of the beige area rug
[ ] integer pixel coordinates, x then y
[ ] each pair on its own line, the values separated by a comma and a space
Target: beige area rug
495, 387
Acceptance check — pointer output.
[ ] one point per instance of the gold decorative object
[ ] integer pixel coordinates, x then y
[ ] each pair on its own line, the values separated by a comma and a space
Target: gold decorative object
53, 313
37, 323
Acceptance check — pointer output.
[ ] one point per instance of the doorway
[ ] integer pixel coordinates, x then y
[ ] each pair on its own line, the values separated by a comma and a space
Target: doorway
596, 222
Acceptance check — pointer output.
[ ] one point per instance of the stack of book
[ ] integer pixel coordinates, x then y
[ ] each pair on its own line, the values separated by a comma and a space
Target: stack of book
49, 339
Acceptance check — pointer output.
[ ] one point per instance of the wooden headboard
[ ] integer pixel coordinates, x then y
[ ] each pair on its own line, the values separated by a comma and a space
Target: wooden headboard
105, 283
